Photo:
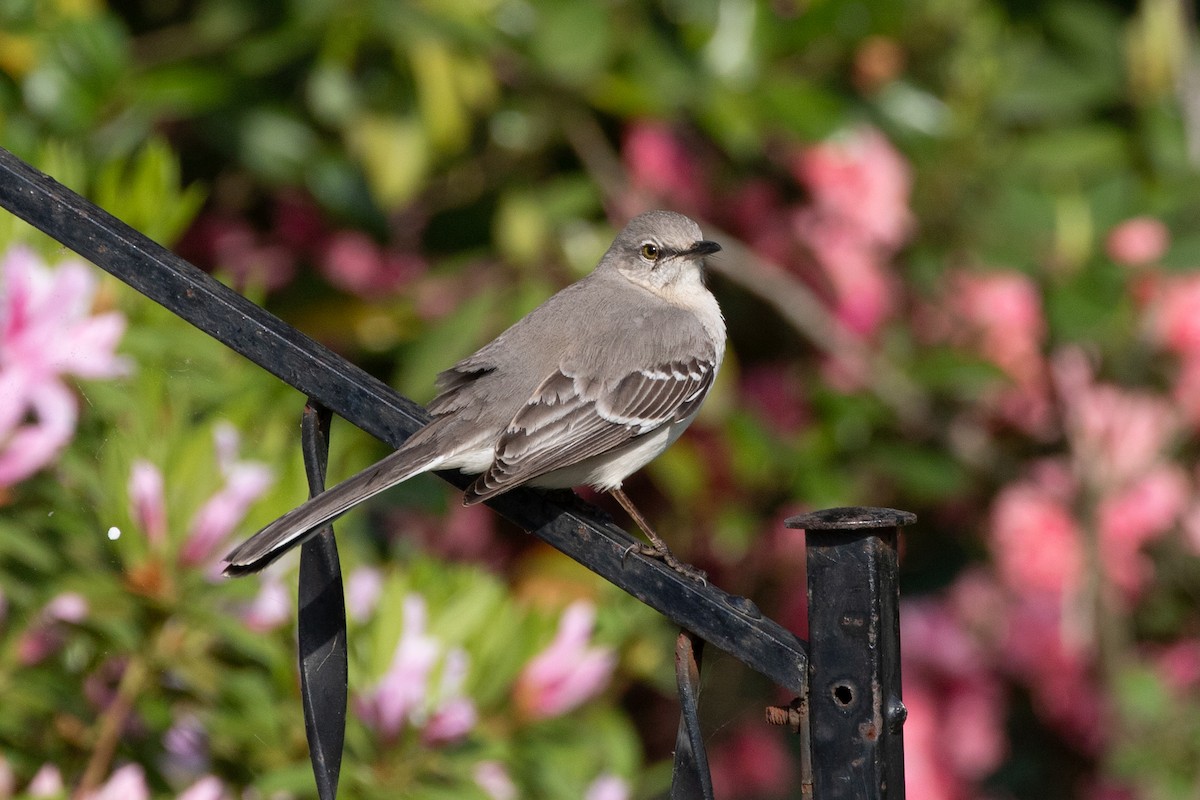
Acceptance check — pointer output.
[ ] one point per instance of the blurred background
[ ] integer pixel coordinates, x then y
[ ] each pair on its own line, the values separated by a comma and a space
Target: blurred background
960, 276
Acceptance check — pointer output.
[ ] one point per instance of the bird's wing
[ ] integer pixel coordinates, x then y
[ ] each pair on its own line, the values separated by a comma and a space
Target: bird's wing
570, 418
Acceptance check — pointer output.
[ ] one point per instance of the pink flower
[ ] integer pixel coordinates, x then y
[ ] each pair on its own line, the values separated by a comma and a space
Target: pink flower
1044, 649
126, 783
607, 787
1174, 314
47, 332
271, 608
1179, 664
354, 263
207, 788
405, 696
660, 165
569, 671
857, 218
8, 779
1138, 241
47, 782
245, 482
858, 177
926, 773
45, 325
1186, 391
999, 314
400, 692
864, 289
1115, 434
1136, 514
947, 678
48, 631
452, 714
1035, 540
146, 501
364, 587
493, 778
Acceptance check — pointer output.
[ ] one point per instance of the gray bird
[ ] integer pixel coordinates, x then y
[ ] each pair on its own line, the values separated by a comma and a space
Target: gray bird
586, 389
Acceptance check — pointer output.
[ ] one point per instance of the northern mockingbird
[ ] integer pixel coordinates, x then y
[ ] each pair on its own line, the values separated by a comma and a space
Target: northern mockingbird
586, 389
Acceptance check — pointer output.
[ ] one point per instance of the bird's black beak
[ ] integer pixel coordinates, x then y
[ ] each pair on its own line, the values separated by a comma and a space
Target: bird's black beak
703, 248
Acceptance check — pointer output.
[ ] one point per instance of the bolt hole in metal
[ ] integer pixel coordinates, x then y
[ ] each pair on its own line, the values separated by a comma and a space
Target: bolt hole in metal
843, 694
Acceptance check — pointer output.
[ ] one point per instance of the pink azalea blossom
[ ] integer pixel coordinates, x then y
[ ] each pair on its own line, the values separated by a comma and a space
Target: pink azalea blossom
1137, 514
607, 787
1035, 540
126, 783
48, 632
46, 782
388, 705
147, 503
1044, 650
452, 714
660, 165
569, 672
926, 773
1174, 314
1138, 241
1186, 390
47, 332
364, 587
856, 220
8, 779
207, 788
863, 287
949, 685
999, 314
1179, 664
405, 695
1115, 434
353, 262
493, 778
271, 607
245, 483
860, 178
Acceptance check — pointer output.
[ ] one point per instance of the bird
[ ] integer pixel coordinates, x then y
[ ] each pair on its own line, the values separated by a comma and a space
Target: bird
585, 389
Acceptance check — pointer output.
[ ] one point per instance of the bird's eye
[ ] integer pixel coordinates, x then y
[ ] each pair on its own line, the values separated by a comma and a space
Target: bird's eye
650, 251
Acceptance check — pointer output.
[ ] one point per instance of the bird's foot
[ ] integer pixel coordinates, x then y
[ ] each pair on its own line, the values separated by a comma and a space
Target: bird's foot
667, 557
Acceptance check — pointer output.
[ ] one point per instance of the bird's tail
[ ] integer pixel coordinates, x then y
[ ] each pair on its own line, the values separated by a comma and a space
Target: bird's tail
303, 522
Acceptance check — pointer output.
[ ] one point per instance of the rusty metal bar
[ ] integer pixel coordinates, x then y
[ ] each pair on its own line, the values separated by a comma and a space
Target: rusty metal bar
856, 714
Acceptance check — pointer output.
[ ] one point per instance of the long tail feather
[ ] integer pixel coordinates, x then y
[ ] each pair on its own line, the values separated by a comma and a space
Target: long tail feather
301, 523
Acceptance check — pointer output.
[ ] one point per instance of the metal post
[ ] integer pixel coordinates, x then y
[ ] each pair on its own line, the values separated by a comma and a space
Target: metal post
322, 623
690, 776
856, 714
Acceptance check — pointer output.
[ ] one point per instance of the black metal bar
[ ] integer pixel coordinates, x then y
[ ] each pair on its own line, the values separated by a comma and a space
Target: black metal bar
322, 623
856, 714
690, 776
577, 529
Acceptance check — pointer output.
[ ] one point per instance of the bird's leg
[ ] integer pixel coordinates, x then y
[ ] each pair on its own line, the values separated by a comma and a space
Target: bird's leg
657, 547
